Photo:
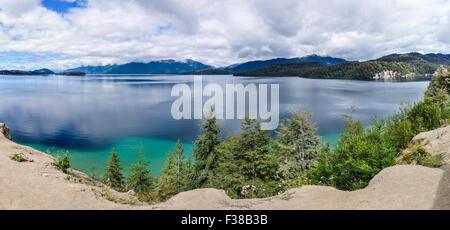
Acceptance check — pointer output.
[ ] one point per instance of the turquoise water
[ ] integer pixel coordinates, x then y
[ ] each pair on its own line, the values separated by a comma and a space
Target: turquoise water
155, 151
330, 138
90, 115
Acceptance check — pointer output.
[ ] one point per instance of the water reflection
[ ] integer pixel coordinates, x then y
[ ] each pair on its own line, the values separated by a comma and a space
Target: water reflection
93, 112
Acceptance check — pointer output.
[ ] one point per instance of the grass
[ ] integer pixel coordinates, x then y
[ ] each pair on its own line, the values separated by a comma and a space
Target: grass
286, 196
62, 162
18, 158
121, 200
429, 161
417, 154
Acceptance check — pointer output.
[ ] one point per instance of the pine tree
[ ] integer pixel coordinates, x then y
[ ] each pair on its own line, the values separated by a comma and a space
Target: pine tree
254, 148
296, 146
113, 176
180, 167
140, 180
205, 154
246, 167
174, 177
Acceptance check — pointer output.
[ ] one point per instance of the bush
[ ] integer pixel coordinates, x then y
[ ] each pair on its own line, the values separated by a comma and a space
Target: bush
429, 161
438, 83
400, 133
424, 115
439, 92
417, 154
360, 154
411, 120
62, 162
18, 158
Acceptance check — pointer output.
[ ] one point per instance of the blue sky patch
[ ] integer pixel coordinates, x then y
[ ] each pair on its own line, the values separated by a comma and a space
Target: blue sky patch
165, 28
62, 6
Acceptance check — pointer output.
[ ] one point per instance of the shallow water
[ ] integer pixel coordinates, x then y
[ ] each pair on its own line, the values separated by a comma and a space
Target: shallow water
92, 114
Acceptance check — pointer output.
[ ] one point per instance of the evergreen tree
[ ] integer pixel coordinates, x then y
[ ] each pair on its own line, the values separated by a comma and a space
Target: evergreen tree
140, 179
113, 176
180, 167
254, 152
205, 154
174, 177
296, 146
246, 168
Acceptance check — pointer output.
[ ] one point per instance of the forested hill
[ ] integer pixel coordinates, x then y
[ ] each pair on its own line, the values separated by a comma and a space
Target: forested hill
154, 67
254, 65
395, 66
443, 59
210, 71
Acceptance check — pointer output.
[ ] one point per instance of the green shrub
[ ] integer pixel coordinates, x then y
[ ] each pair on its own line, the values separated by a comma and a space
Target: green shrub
438, 83
417, 154
411, 120
400, 133
425, 115
429, 161
359, 155
62, 162
445, 110
18, 158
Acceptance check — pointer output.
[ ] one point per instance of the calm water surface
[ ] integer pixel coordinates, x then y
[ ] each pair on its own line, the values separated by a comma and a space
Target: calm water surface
88, 116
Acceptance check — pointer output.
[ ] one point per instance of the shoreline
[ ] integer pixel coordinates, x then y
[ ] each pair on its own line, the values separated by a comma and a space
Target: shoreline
40, 185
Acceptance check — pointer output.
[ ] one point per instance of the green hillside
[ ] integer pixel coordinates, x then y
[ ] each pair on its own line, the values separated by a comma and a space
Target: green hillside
404, 65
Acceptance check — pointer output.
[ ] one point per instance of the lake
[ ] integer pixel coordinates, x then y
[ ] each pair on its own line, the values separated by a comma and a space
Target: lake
90, 115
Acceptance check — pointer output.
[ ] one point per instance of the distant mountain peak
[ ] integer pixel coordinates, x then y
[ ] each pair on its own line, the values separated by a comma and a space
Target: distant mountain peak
313, 55
152, 67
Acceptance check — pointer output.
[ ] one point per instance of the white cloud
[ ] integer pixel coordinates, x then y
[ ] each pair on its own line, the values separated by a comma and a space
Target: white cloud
222, 32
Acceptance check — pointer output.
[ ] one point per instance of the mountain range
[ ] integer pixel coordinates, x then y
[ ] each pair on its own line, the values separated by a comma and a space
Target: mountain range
154, 67
194, 67
393, 67
254, 65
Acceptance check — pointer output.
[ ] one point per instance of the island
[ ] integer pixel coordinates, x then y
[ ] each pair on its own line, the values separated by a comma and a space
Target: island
22, 72
40, 72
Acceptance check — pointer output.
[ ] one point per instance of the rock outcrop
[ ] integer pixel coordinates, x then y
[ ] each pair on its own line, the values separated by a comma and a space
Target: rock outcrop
398, 187
436, 142
391, 75
4, 130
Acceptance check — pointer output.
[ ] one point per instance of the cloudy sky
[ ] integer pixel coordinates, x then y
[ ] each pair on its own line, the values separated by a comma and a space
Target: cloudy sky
59, 34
